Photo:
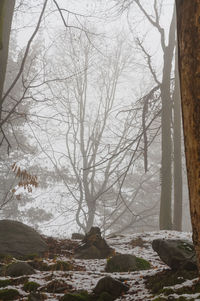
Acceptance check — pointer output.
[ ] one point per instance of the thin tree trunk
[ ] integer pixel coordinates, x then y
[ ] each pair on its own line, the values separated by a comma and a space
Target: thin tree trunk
178, 183
166, 161
91, 215
188, 21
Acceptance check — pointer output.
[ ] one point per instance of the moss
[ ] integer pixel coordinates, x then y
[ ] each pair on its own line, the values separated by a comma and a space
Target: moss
31, 286
142, 264
195, 288
4, 283
165, 278
61, 266
82, 296
187, 247
31, 257
6, 258
105, 297
8, 294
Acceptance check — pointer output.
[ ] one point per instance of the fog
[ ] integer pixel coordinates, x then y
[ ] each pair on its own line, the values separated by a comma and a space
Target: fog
91, 133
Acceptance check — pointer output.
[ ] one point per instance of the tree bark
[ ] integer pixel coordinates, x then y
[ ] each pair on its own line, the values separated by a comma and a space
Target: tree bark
178, 183
6, 15
166, 148
188, 22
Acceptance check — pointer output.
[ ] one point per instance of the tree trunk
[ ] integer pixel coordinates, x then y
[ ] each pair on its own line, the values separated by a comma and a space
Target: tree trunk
166, 161
91, 215
178, 183
188, 21
6, 15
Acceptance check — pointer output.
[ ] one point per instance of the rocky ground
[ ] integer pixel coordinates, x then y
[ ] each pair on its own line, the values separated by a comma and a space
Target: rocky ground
59, 273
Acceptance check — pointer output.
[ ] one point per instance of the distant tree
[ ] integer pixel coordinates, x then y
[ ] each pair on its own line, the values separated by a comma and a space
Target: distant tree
177, 142
153, 15
188, 24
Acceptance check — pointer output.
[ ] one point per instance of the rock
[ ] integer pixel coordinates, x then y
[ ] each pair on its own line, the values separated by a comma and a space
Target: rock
76, 296
19, 240
176, 253
126, 263
104, 297
78, 236
57, 286
36, 297
31, 286
9, 294
111, 286
94, 246
17, 269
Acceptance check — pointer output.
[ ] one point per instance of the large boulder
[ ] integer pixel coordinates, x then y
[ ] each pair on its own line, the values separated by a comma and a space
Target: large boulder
176, 253
126, 263
19, 240
113, 287
93, 246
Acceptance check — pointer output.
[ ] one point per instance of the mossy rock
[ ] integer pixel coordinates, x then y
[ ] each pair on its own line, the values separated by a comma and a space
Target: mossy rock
61, 266
157, 282
38, 264
31, 286
6, 282
9, 294
142, 264
79, 296
17, 269
194, 289
36, 296
105, 297
126, 263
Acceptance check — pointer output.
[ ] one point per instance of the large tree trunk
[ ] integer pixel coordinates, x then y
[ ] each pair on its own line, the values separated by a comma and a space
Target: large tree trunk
6, 15
178, 183
188, 20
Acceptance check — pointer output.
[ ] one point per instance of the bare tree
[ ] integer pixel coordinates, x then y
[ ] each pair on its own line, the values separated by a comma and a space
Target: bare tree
165, 86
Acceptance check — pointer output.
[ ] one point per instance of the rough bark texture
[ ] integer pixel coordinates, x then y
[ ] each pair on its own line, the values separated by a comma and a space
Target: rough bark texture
178, 183
188, 21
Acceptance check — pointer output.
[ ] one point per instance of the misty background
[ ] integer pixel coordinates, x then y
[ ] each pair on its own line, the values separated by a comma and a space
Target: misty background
92, 132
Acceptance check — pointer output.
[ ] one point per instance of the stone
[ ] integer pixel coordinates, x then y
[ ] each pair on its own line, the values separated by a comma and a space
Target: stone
176, 253
19, 240
78, 236
113, 287
8, 294
17, 269
126, 263
36, 297
93, 246
76, 296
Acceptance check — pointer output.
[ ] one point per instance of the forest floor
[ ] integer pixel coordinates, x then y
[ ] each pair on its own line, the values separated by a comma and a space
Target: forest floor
86, 273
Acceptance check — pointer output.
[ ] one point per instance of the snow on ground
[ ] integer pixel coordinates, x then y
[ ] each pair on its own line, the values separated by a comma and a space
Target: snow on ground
92, 270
